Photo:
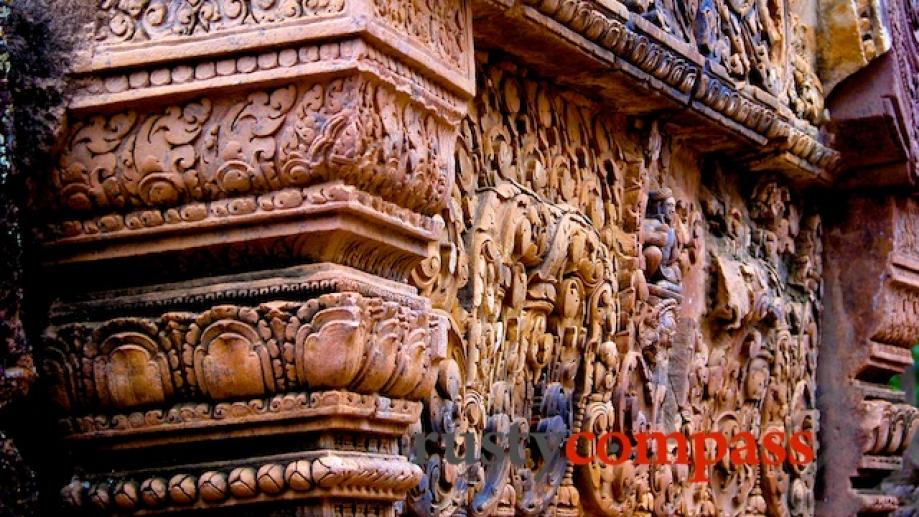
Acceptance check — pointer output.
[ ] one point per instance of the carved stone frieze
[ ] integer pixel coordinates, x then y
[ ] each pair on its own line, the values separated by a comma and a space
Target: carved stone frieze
529, 247
761, 44
227, 416
753, 68
762, 339
346, 257
124, 21
119, 87
353, 129
149, 32
570, 271
277, 347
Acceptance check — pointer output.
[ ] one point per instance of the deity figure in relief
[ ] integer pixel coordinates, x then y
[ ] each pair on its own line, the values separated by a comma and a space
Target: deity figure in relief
661, 250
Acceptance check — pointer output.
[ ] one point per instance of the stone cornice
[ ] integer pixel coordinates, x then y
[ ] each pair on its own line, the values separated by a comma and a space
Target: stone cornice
618, 42
160, 34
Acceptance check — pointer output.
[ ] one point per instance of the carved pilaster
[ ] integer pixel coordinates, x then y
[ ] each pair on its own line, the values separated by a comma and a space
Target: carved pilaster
870, 321
869, 328
264, 176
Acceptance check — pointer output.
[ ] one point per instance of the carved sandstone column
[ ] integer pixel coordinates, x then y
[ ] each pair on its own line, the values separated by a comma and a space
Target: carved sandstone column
258, 179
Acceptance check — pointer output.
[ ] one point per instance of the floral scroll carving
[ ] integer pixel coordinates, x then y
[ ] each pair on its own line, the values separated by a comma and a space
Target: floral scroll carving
351, 129
439, 26
566, 271
120, 21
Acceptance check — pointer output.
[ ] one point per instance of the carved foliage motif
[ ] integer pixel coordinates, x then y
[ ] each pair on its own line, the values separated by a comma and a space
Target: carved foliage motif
439, 25
353, 129
760, 339
544, 338
119, 21
343, 340
563, 272
530, 254
307, 199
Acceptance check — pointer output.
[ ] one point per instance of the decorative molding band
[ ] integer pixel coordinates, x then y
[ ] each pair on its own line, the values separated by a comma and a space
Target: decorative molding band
292, 410
435, 35
189, 225
118, 88
888, 429
877, 503
318, 474
296, 282
121, 23
608, 25
334, 341
353, 129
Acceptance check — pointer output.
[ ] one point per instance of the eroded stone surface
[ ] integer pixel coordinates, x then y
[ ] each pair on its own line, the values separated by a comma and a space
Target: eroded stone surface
282, 237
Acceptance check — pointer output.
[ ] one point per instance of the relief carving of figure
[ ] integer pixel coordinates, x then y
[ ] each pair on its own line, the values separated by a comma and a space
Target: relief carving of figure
661, 247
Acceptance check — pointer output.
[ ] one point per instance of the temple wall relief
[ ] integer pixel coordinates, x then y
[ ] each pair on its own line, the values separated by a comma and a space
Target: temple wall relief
598, 279
284, 239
